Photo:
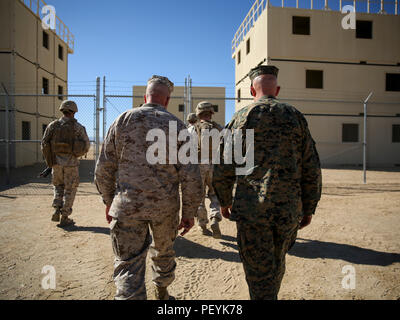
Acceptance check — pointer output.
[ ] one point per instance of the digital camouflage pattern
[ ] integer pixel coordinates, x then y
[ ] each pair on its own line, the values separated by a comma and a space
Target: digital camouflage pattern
269, 203
142, 195
206, 171
65, 165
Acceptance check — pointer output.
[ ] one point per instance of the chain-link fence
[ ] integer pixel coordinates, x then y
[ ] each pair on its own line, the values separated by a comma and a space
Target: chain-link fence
24, 119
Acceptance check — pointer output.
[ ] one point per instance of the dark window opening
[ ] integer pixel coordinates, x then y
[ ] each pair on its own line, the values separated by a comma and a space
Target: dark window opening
215, 108
26, 130
60, 93
363, 29
350, 132
392, 81
239, 58
60, 52
45, 40
396, 133
238, 95
45, 86
248, 46
301, 25
181, 108
314, 79
44, 127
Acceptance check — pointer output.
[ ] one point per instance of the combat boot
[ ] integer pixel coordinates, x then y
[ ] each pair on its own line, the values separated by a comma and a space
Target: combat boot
216, 231
65, 221
161, 293
204, 230
56, 215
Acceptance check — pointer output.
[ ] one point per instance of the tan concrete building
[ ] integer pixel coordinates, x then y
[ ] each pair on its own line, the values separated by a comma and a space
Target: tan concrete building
32, 61
215, 95
326, 72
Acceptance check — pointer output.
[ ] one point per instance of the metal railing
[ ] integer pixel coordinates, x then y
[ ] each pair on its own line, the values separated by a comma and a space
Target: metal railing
62, 31
260, 5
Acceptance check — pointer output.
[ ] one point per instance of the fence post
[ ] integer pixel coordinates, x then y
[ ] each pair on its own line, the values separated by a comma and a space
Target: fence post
365, 139
6, 135
104, 109
97, 138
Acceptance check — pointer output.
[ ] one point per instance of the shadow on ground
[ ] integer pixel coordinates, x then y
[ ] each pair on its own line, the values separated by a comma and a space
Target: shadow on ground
314, 249
189, 249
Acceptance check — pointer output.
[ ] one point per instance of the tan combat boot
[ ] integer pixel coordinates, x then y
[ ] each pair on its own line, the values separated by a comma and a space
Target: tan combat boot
161, 293
216, 231
65, 221
56, 215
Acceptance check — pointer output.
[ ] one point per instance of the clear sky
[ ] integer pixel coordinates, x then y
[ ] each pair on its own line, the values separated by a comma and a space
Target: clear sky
128, 41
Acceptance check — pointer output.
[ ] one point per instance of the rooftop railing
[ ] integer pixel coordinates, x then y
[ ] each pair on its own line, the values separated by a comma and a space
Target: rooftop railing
365, 6
62, 31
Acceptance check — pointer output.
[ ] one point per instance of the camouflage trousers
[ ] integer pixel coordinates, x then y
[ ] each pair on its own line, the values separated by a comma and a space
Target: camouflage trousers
214, 216
131, 241
262, 249
66, 182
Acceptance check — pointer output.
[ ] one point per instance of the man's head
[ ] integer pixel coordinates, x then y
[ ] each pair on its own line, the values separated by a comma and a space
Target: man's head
192, 118
204, 110
68, 108
264, 81
159, 90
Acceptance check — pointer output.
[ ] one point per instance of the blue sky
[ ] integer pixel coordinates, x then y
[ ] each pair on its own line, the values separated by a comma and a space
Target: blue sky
128, 41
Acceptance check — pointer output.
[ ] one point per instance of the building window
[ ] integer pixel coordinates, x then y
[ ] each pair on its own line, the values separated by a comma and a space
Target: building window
181, 108
239, 58
26, 130
44, 127
215, 108
363, 29
45, 40
60, 93
301, 25
350, 132
248, 46
314, 79
392, 81
60, 52
45, 86
396, 133
238, 95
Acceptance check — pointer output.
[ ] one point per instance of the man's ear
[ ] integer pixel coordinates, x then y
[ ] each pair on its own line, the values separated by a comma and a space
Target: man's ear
252, 91
145, 99
278, 89
167, 101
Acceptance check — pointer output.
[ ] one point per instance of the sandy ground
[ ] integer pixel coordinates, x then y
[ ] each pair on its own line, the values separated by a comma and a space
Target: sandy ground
355, 225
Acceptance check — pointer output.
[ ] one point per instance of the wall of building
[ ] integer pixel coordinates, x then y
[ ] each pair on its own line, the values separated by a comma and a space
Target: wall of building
24, 62
346, 82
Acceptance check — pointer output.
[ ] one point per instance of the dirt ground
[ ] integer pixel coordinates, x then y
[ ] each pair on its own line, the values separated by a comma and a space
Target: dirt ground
355, 225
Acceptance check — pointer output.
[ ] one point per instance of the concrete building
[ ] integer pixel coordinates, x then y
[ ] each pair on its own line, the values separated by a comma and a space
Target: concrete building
215, 95
32, 61
326, 72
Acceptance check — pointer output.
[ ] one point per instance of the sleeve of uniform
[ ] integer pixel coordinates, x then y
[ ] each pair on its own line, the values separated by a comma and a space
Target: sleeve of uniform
224, 175
46, 136
85, 138
191, 186
106, 168
311, 180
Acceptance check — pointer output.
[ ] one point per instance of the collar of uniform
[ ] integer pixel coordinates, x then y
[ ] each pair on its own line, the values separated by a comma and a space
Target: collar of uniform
267, 97
155, 106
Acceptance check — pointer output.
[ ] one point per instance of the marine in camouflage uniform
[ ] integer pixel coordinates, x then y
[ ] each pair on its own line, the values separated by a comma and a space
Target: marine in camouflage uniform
191, 119
280, 195
65, 164
204, 112
145, 197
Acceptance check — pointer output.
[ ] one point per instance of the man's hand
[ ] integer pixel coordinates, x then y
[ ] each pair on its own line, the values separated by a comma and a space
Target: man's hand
186, 224
305, 221
226, 211
108, 217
